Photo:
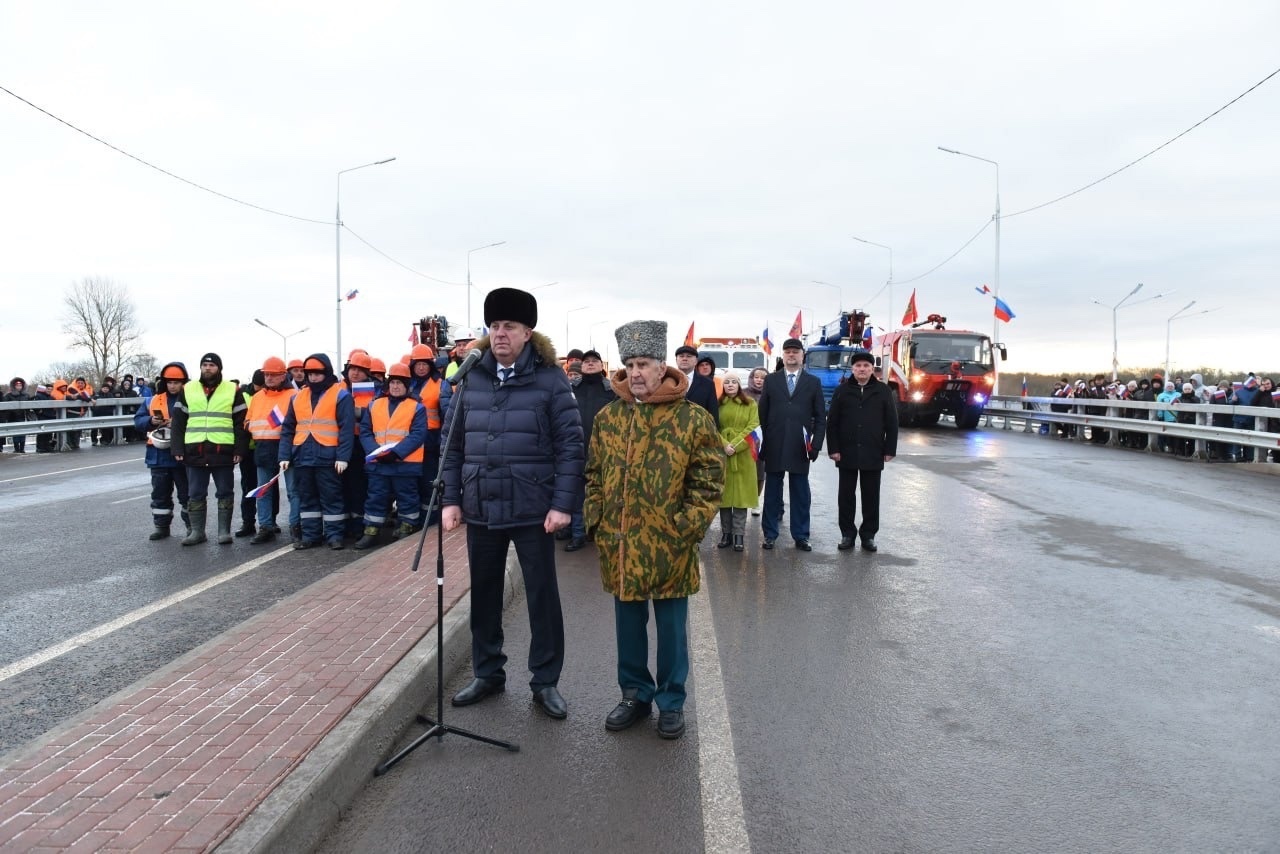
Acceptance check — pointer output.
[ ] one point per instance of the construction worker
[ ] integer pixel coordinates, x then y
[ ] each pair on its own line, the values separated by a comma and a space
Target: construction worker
354, 483
208, 436
394, 417
316, 440
428, 385
167, 474
296, 374
378, 372
267, 411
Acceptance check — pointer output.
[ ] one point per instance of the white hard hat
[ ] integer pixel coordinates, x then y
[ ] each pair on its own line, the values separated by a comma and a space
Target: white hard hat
159, 438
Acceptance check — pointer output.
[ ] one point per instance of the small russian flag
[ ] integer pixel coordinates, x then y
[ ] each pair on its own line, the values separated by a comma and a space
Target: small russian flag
755, 440
275, 417
264, 488
351, 294
1024, 386
808, 440
1003, 312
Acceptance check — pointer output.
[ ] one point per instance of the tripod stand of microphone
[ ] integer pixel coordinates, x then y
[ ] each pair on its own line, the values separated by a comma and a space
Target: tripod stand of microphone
437, 728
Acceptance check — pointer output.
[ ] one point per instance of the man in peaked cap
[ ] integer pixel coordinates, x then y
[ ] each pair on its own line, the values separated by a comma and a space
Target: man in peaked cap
793, 415
702, 391
520, 439
649, 547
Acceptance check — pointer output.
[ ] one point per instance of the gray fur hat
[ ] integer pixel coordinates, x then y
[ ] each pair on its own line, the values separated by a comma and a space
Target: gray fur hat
642, 338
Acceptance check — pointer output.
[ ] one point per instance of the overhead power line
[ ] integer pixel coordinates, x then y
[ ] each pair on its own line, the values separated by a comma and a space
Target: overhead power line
397, 263
161, 170
947, 260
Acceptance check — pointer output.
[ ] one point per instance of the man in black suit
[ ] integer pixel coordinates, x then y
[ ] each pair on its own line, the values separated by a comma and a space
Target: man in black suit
702, 391
862, 435
790, 405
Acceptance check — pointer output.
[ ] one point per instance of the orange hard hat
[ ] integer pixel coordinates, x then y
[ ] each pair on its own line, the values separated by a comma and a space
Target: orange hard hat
314, 365
399, 371
359, 359
357, 350
295, 363
377, 366
273, 365
421, 352
174, 371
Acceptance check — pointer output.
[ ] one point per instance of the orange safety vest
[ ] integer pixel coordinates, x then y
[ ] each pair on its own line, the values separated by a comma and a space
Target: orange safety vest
430, 398
394, 426
258, 421
322, 424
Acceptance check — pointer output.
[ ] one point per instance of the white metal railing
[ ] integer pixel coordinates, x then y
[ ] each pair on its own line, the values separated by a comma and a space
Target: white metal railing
1032, 412
59, 423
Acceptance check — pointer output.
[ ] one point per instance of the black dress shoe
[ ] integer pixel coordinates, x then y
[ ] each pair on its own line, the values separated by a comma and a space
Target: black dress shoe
767, 544
803, 545
627, 713
551, 702
575, 544
869, 545
846, 543
671, 724
477, 691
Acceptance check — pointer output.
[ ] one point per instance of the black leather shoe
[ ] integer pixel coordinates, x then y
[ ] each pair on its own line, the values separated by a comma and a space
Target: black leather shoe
725, 540
575, 544
846, 543
767, 544
477, 691
563, 534
869, 545
551, 702
627, 713
246, 530
803, 545
671, 724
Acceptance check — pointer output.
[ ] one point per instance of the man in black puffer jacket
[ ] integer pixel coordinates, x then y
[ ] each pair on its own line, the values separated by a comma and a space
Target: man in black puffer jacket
513, 474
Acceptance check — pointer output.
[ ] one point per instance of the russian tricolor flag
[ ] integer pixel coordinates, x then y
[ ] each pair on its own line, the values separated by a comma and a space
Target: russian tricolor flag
755, 440
264, 488
1003, 312
808, 440
275, 417
765, 343
352, 294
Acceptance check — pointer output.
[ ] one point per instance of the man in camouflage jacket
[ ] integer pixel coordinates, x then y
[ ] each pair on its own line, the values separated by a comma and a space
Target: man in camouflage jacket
654, 480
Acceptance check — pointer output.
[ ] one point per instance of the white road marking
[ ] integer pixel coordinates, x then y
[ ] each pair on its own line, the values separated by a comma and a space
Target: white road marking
134, 498
723, 827
1271, 633
134, 460
99, 632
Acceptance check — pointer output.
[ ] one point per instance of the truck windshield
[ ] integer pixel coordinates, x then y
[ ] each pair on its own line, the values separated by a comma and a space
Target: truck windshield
720, 357
748, 359
942, 347
826, 359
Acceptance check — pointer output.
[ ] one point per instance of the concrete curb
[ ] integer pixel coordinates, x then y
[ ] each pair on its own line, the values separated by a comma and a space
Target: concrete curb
301, 811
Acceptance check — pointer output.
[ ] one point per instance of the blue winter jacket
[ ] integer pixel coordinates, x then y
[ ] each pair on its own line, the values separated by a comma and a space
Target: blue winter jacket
312, 453
521, 451
396, 467
156, 458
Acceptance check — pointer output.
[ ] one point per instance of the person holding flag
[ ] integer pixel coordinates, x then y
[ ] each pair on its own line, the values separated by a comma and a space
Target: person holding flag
392, 432
267, 410
862, 435
739, 422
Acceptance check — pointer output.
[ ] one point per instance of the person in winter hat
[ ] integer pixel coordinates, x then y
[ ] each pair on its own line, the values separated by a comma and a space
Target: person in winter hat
316, 439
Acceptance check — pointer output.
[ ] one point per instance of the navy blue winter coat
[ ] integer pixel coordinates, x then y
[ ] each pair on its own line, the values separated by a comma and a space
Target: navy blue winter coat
522, 448
312, 453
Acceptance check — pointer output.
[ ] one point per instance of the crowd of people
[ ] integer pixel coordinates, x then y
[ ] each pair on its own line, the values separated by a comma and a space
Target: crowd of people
1181, 394
96, 401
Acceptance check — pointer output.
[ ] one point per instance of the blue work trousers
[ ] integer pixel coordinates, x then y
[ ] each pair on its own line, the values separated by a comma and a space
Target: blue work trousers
269, 504
320, 496
382, 488
164, 482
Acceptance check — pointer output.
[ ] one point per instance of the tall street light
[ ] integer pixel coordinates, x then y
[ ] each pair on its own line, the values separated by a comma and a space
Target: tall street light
888, 282
469, 251
566, 323
995, 321
284, 339
337, 243
1115, 358
839, 290
1168, 331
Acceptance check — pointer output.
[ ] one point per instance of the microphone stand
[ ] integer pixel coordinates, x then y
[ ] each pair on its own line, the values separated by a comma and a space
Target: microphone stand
438, 728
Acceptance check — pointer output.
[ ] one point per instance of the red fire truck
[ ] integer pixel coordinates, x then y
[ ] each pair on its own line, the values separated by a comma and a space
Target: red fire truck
934, 371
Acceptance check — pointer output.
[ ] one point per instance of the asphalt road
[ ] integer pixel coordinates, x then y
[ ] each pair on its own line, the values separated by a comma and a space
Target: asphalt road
1058, 648
75, 557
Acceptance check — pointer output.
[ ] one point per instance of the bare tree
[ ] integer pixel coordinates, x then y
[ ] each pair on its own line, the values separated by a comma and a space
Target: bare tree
144, 365
101, 319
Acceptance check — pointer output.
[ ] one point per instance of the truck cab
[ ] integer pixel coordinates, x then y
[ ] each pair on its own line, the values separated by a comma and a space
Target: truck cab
938, 371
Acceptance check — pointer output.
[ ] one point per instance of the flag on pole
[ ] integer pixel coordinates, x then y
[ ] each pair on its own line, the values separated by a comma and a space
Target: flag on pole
351, 294
1003, 312
263, 489
689, 340
755, 441
808, 439
866, 338
766, 343
413, 334
911, 315
984, 290
797, 328
1024, 386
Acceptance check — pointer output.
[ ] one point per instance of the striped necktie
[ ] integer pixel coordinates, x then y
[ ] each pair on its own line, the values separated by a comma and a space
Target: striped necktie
791, 383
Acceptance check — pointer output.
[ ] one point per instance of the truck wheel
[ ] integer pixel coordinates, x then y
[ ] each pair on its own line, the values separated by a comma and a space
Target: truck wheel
929, 420
968, 418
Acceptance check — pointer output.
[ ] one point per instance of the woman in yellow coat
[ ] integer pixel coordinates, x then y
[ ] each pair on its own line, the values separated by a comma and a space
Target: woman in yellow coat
738, 418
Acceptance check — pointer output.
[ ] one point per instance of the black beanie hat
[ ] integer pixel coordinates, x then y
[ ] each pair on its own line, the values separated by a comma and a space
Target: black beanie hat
212, 357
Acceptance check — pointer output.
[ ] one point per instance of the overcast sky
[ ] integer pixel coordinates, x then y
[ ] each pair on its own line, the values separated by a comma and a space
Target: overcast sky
694, 162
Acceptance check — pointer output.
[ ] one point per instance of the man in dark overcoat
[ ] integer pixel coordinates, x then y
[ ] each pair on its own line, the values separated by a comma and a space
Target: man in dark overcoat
862, 435
793, 415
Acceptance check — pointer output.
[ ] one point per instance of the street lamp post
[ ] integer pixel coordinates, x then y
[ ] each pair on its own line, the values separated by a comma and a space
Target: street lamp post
566, 323
995, 321
888, 282
1115, 346
284, 339
469, 251
1168, 331
337, 243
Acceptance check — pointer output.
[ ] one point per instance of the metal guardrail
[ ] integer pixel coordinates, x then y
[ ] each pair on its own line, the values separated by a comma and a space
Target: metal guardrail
60, 424
1013, 410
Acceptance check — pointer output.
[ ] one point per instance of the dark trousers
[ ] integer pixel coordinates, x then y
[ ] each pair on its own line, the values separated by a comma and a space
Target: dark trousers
848, 500
248, 483
355, 483
536, 550
631, 622
320, 502
164, 482
427, 484
224, 482
800, 498
382, 489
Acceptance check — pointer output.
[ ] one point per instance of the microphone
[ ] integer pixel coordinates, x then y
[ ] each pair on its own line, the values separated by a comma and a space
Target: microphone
467, 364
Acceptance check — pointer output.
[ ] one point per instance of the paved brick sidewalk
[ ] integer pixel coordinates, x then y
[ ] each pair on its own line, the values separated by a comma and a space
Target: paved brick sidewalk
180, 762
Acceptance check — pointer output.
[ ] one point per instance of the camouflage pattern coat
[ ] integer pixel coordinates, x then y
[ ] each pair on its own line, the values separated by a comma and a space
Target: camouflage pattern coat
654, 480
